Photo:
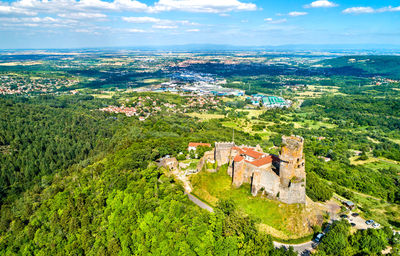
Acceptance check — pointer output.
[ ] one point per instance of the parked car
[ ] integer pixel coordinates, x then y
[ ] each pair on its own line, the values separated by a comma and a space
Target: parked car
344, 216
376, 225
353, 224
369, 222
354, 214
319, 237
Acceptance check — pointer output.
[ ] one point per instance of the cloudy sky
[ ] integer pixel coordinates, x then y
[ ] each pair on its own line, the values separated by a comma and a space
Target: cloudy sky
109, 23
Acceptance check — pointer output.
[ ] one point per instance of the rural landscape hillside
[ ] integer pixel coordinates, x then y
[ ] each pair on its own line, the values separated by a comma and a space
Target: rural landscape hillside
93, 167
199, 127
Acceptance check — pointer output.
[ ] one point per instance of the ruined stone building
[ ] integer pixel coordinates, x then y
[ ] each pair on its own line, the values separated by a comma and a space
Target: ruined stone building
282, 177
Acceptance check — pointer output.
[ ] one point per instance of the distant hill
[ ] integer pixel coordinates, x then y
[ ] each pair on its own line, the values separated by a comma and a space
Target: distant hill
368, 65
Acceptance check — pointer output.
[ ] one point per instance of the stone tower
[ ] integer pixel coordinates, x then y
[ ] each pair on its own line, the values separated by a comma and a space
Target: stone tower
292, 170
292, 164
223, 152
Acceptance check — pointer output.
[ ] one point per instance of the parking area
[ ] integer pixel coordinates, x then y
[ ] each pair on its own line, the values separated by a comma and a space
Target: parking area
358, 221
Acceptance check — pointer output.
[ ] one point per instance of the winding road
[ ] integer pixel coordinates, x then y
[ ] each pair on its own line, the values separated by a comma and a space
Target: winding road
301, 249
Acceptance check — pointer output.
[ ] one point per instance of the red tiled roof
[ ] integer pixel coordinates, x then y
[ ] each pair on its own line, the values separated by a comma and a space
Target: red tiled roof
262, 161
238, 158
254, 154
196, 144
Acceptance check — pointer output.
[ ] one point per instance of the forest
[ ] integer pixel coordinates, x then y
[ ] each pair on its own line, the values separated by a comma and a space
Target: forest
371, 65
340, 241
96, 191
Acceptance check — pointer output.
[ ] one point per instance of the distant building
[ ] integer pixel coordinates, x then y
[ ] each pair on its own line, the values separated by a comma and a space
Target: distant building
349, 204
193, 145
269, 101
169, 162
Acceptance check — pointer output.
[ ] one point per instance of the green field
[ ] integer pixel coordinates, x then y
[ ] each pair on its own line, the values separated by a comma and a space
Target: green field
205, 116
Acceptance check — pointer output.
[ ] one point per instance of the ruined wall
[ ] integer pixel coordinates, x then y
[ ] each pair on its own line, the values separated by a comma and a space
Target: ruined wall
294, 194
238, 172
223, 152
170, 163
208, 157
267, 180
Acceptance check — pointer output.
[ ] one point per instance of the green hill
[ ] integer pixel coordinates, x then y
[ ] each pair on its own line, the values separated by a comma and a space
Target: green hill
368, 65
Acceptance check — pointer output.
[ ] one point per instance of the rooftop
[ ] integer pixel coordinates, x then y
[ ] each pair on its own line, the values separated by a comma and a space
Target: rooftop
197, 144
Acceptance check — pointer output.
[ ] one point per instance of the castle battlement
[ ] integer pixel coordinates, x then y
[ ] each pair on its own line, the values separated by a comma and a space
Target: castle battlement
281, 177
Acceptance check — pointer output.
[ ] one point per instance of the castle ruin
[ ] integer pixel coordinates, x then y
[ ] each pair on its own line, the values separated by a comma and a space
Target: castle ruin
280, 177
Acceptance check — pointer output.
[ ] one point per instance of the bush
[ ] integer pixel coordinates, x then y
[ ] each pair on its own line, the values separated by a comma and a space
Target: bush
317, 189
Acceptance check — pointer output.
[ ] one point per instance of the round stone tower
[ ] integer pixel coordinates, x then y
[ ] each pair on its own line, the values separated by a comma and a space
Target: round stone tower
292, 163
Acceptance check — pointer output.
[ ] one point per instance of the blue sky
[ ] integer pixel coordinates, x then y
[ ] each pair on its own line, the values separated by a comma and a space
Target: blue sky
101, 23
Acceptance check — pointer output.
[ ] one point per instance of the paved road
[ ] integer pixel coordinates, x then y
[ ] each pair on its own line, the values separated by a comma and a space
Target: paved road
200, 203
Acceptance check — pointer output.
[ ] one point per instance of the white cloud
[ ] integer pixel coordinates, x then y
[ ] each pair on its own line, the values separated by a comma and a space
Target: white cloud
160, 23
272, 21
43, 22
34, 7
389, 9
83, 15
11, 10
82, 30
165, 26
295, 14
193, 30
67, 6
210, 6
135, 30
141, 19
363, 10
358, 10
321, 4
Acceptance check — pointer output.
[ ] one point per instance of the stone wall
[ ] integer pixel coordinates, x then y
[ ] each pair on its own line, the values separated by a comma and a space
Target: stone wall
266, 180
223, 152
207, 158
294, 194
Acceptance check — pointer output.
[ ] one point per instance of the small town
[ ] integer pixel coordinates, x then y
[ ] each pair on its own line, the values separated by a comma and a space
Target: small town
12, 84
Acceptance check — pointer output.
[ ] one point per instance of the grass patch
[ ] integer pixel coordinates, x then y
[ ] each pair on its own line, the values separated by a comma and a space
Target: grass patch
378, 210
285, 222
205, 116
313, 125
380, 164
252, 112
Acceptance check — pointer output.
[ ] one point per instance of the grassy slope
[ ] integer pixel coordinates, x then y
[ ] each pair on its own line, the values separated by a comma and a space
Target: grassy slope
278, 219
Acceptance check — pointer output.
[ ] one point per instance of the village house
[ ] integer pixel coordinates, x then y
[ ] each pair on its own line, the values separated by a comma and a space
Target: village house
193, 145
